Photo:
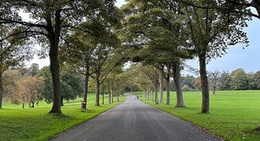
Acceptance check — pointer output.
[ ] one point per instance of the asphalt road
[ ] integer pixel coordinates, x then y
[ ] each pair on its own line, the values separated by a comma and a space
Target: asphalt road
134, 120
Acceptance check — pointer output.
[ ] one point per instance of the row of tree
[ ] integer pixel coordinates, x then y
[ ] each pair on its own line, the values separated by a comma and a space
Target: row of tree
235, 80
71, 31
163, 34
95, 37
31, 85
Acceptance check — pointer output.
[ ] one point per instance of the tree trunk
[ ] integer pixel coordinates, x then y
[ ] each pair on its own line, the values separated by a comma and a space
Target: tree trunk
53, 36
32, 104
103, 98
1, 89
85, 92
109, 97
156, 93
61, 101
177, 81
112, 98
161, 86
214, 90
103, 95
168, 86
118, 97
97, 89
204, 84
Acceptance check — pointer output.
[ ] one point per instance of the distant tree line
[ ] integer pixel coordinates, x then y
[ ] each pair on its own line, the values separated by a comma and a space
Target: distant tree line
146, 78
31, 85
235, 80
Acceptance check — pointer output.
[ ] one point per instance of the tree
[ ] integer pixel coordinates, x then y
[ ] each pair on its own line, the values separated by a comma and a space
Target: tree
50, 21
211, 31
197, 83
84, 47
71, 84
225, 81
30, 90
153, 75
255, 81
214, 77
101, 67
177, 81
116, 83
12, 53
156, 31
47, 88
239, 80
188, 81
33, 70
10, 78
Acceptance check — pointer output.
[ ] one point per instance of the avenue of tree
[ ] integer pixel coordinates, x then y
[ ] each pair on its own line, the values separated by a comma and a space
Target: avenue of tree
89, 41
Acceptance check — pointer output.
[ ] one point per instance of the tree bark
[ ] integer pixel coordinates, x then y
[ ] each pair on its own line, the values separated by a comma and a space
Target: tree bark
168, 85
61, 101
53, 36
112, 98
156, 93
103, 94
97, 89
109, 96
177, 81
214, 90
85, 91
103, 98
161, 86
204, 84
85, 95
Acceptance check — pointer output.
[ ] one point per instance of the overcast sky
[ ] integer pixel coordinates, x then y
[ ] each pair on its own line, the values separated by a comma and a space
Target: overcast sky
236, 56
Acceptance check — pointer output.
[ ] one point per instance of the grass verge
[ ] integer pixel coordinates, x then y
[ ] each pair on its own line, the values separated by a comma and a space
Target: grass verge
234, 115
34, 124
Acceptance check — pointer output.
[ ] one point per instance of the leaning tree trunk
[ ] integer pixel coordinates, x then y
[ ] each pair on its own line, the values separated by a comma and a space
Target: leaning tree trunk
53, 36
1, 90
177, 81
204, 84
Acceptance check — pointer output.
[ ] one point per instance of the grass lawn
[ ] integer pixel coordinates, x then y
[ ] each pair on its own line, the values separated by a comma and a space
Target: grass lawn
233, 114
34, 124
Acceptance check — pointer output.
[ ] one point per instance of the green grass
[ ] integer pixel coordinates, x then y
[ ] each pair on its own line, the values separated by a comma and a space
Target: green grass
34, 124
233, 114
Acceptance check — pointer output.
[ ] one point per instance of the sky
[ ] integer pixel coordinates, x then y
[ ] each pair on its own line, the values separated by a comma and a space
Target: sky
236, 56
